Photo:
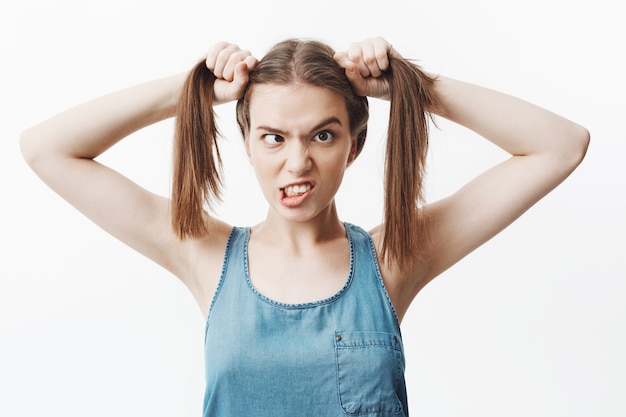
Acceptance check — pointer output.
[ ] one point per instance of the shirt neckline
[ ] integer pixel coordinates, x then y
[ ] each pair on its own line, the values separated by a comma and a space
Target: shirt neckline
308, 304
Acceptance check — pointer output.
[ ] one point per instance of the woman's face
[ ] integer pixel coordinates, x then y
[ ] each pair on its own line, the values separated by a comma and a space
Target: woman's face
299, 144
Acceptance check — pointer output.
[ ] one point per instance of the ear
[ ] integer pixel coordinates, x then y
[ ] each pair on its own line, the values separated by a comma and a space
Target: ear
352, 155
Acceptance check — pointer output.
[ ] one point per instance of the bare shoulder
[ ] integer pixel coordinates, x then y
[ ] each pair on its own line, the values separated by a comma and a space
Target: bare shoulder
402, 286
204, 258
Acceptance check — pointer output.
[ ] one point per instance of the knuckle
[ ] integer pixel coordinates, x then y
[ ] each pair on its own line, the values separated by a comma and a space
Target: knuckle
240, 55
232, 48
370, 59
381, 56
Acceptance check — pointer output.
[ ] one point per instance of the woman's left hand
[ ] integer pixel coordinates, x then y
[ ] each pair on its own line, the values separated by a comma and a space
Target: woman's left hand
365, 62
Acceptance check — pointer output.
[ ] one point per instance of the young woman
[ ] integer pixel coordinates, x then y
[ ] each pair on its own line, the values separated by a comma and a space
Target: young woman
303, 310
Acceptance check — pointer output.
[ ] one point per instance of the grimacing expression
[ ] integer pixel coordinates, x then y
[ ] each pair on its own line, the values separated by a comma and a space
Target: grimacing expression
299, 143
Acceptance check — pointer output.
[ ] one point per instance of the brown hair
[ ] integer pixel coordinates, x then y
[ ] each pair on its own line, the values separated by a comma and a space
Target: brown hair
196, 155
412, 98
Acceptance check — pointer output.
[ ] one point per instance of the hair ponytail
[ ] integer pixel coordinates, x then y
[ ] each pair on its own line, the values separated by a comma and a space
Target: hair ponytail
197, 162
405, 238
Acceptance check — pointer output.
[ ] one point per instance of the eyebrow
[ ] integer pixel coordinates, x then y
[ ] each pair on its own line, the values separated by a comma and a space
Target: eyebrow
325, 122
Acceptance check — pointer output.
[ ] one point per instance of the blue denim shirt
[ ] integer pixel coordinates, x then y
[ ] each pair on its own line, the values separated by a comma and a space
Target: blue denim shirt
335, 357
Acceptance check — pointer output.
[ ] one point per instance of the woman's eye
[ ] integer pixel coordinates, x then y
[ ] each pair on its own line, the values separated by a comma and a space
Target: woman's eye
324, 136
272, 139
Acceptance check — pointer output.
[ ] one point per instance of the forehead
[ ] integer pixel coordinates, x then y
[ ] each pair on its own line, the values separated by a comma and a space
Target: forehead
294, 105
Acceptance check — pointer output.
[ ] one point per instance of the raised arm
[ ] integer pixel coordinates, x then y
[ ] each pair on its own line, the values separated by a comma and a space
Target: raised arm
544, 147
62, 151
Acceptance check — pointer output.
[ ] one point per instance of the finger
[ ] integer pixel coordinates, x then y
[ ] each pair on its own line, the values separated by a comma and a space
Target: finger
341, 58
241, 76
381, 49
212, 53
251, 62
222, 59
358, 82
235, 58
355, 55
369, 59
240, 79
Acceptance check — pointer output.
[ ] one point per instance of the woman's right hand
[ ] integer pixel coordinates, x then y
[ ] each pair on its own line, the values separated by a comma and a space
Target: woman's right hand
231, 66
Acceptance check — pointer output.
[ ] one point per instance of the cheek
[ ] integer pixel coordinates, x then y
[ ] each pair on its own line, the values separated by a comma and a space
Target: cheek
336, 167
262, 166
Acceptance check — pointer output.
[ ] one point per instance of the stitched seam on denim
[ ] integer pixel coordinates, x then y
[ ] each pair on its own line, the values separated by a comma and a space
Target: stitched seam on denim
299, 306
368, 346
379, 277
395, 409
220, 283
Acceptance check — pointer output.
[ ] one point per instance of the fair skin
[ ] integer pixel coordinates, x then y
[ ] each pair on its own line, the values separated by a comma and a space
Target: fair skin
299, 145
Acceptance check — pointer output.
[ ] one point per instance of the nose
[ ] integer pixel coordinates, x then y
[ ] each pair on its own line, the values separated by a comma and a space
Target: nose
298, 159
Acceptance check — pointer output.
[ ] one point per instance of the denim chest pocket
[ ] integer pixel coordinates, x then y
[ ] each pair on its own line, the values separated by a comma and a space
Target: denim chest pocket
370, 368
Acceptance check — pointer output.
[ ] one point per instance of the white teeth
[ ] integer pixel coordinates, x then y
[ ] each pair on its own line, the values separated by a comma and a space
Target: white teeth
294, 190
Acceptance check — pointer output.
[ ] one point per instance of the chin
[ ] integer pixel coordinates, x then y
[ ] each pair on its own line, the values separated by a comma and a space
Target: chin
296, 214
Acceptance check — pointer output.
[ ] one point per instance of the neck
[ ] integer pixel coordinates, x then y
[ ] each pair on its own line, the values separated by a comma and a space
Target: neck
324, 227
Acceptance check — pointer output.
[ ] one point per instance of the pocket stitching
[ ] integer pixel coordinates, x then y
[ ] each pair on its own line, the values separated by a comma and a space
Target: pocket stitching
354, 344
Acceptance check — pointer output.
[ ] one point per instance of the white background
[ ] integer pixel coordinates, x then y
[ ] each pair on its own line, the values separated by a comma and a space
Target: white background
531, 324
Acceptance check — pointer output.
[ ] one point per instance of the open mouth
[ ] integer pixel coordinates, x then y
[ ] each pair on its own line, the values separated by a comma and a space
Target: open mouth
297, 190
